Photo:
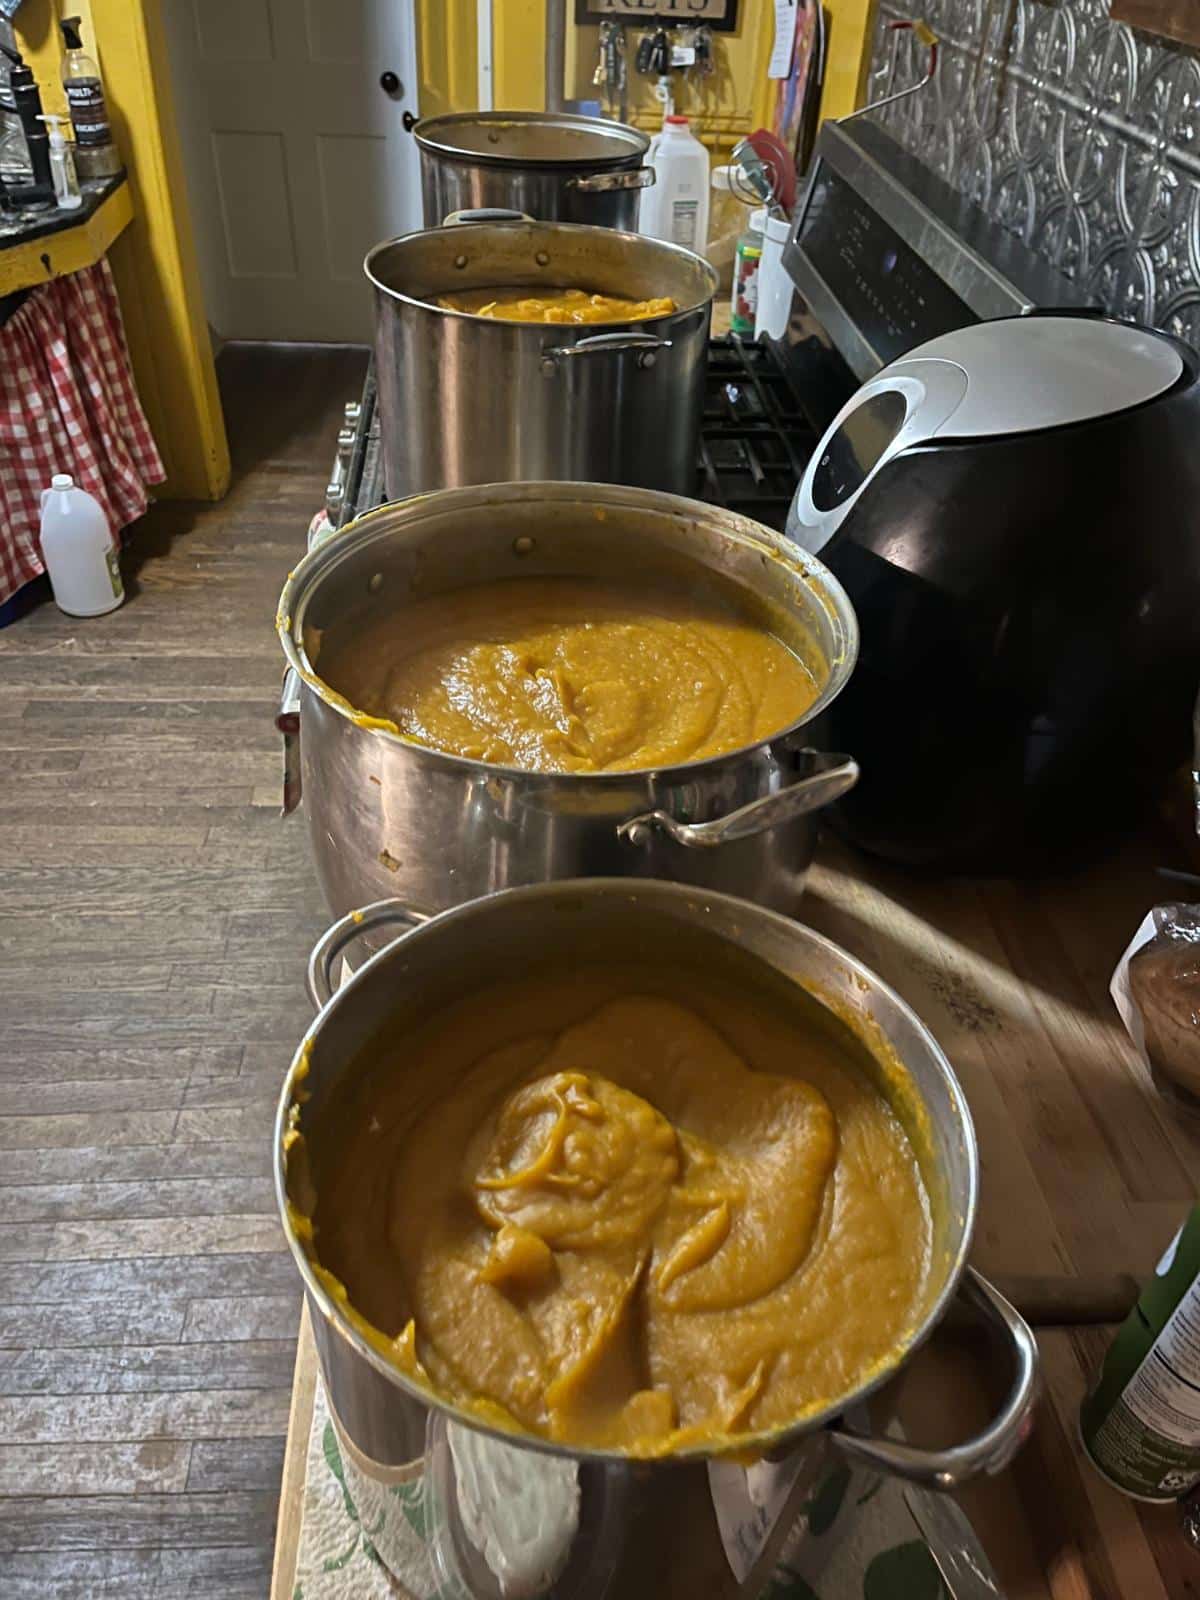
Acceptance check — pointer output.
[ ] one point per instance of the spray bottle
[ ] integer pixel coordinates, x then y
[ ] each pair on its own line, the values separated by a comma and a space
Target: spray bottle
96, 154
62, 165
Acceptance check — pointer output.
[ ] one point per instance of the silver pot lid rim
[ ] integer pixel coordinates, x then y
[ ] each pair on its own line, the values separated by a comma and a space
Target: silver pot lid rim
470, 232
436, 135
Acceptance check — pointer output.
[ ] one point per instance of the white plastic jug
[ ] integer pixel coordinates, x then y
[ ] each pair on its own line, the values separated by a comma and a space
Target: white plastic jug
675, 207
79, 550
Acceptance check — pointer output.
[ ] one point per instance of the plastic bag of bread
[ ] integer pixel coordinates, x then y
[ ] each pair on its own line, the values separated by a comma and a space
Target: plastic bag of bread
1157, 991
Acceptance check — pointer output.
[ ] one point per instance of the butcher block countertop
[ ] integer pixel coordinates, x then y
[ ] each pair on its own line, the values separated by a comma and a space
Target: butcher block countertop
1085, 1175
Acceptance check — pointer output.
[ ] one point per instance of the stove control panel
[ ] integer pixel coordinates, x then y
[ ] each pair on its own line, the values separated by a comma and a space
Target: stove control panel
887, 256
895, 299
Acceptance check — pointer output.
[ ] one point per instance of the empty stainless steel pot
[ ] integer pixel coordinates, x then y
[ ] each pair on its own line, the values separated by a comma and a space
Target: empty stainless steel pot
550, 165
467, 399
652, 1528
388, 816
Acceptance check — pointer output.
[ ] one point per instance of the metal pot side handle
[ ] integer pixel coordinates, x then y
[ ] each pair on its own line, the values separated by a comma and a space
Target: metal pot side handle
486, 214
645, 345
604, 182
991, 1450
339, 936
784, 805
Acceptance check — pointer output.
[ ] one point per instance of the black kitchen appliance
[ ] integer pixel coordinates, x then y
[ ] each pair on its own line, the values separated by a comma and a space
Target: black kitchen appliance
1014, 509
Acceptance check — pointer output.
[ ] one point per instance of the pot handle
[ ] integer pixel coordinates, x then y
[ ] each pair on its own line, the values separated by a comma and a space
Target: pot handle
646, 345
836, 775
602, 182
338, 937
989, 1451
486, 214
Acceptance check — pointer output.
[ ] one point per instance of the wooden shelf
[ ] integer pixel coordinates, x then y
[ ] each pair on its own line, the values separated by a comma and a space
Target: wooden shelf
48, 245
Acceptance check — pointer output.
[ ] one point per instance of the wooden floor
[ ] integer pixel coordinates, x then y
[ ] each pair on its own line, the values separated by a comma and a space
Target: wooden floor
155, 913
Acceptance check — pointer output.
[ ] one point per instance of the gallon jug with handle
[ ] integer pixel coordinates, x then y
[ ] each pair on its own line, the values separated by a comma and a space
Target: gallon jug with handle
79, 550
676, 207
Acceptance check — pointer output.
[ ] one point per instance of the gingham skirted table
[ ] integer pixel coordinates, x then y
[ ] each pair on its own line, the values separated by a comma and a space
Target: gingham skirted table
68, 404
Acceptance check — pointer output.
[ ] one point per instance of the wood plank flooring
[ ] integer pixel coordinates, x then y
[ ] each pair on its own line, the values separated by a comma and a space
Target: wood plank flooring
155, 913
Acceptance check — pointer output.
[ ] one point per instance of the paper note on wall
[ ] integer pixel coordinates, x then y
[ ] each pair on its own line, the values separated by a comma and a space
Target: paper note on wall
785, 33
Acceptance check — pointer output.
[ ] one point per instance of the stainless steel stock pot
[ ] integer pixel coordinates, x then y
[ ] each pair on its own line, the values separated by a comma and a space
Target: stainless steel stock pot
551, 165
644, 1528
389, 816
469, 399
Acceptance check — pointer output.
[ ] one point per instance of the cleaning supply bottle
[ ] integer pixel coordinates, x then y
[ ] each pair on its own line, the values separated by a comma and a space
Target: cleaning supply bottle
79, 550
96, 154
675, 208
62, 166
744, 304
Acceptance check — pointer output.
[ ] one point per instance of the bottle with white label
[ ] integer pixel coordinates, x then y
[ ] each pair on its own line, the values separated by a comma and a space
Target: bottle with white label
79, 550
675, 207
1140, 1425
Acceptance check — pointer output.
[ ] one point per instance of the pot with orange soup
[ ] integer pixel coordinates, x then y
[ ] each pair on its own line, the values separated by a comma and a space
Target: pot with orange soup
604, 1192
468, 395
520, 682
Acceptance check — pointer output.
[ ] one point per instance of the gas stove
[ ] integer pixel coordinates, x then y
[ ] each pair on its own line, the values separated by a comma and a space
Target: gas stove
754, 440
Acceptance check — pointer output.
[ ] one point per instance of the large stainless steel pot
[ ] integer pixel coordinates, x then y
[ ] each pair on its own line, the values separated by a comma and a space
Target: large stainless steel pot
466, 399
552, 166
388, 816
386, 1421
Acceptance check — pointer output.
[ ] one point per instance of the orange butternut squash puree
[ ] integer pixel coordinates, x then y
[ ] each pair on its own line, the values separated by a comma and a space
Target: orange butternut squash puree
625, 1211
530, 303
572, 675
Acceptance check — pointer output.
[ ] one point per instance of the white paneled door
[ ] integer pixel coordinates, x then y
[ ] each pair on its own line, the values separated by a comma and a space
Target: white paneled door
292, 116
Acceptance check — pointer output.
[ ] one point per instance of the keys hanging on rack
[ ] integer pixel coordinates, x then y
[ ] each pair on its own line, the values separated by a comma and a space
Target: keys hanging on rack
706, 63
653, 60
610, 69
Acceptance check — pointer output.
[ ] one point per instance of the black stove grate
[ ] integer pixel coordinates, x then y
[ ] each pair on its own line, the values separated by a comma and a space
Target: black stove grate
754, 440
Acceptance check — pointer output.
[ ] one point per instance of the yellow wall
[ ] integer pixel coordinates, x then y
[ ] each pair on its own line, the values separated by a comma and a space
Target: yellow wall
850, 28
447, 56
154, 261
518, 54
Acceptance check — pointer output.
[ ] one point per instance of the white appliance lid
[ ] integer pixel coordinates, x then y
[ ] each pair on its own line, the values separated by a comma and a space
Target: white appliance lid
1027, 373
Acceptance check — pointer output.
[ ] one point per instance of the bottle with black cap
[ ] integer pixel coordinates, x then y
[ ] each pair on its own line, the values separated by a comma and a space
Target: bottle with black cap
27, 102
96, 156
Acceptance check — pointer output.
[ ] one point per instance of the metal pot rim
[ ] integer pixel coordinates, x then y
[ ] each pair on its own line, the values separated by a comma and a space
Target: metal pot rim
467, 231
634, 142
769, 1440
304, 578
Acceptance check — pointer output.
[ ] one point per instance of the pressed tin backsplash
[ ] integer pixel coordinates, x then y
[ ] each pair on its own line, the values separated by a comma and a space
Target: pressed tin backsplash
1077, 132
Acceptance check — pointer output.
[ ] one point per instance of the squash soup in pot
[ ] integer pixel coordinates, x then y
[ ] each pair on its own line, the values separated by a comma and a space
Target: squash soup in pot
533, 303
574, 674
643, 1208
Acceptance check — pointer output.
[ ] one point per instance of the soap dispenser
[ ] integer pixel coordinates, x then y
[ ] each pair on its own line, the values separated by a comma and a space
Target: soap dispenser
62, 165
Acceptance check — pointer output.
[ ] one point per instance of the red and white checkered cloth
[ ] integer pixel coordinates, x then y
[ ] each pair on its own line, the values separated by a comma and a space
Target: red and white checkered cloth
68, 404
